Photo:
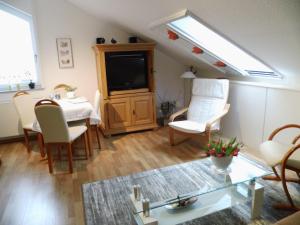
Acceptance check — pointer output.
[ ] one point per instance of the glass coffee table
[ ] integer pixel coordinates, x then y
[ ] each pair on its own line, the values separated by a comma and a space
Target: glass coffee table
222, 190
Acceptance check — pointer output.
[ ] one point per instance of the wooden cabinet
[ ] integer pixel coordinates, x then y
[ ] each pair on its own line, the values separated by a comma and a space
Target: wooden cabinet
126, 110
119, 113
130, 112
142, 110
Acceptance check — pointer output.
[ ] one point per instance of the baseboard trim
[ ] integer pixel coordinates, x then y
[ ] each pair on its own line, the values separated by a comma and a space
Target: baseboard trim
17, 138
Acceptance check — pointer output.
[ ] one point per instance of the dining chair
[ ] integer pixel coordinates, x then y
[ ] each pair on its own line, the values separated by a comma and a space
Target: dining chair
56, 131
25, 108
95, 118
61, 89
286, 155
208, 105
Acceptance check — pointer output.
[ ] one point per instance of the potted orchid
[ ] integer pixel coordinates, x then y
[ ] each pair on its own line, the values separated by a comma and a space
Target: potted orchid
221, 152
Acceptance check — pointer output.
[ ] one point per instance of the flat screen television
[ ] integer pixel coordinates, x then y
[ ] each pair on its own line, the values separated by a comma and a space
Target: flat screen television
126, 70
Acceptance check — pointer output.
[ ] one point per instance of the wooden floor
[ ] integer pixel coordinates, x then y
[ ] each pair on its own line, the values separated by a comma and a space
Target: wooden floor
29, 195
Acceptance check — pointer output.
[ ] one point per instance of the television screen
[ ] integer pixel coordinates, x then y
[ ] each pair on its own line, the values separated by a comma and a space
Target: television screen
126, 70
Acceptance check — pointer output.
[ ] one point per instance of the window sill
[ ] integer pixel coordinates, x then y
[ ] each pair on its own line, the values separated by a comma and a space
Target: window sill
7, 95
37, 87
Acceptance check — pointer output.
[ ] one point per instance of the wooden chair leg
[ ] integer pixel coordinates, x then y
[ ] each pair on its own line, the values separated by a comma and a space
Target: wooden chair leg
26, 137
286, 188
70, 158
85, 145
291, 206
171, 136
41, 144
49, 156
98, 136
275, 178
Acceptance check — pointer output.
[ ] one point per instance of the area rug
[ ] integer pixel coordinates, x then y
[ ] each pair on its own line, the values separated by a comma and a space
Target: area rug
107, 202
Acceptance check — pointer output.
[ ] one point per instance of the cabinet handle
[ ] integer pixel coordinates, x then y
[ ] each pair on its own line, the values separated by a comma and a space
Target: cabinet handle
133, 112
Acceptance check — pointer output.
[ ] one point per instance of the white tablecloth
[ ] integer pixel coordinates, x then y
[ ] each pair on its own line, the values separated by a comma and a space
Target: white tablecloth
74, 110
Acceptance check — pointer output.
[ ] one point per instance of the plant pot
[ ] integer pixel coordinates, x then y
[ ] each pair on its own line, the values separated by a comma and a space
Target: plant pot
221, 163
71, 94
31, 85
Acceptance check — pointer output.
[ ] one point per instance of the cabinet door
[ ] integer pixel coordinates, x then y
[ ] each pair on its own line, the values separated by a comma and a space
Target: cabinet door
142, 110
119, 113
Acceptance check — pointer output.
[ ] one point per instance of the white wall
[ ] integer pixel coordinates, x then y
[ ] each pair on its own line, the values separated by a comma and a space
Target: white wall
58, 18
256, 111
167, 74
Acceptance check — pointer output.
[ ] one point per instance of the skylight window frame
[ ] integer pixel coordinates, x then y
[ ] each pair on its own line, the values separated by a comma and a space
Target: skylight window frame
29, 18
185, 13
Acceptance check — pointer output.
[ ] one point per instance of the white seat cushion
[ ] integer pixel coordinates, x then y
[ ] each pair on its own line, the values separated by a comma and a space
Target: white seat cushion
28, 126
95, 120
76, 131
273, 152
188, 126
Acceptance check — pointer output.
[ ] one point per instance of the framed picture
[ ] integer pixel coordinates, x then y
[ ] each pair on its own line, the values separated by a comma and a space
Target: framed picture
64, 51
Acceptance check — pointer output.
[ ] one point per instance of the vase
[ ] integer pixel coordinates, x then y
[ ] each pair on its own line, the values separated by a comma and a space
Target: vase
221, 163
71, 94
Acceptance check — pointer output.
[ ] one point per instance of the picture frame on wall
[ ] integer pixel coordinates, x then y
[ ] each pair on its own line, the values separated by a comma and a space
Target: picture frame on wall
65, 53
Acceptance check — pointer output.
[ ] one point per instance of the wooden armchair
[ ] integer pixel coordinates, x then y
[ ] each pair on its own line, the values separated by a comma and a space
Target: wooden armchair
286, 155
61, 89
208, 105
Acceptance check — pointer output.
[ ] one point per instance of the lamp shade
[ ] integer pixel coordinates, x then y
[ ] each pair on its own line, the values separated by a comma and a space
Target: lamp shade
188, 75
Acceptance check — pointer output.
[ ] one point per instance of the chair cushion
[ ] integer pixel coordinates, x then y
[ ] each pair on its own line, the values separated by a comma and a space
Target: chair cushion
76, 131
28, 126
203, 109
95, 120
209, 97
188, 126
273, 152
211, 88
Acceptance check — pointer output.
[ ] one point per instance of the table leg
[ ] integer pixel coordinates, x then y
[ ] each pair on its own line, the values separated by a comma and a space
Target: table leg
257, 192
89, 136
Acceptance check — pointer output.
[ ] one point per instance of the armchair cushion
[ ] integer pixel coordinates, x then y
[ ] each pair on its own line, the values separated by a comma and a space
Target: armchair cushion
210, 88
273, 152
201, 110
188, 126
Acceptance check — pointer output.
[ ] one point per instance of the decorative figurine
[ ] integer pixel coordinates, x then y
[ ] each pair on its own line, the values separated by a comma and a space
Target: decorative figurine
31, 85
113, 41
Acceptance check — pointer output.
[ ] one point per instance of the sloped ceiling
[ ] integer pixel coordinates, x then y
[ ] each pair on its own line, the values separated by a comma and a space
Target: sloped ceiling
269, 29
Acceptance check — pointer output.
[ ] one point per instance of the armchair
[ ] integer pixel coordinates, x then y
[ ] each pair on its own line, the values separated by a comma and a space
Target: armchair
208, 105
286, 155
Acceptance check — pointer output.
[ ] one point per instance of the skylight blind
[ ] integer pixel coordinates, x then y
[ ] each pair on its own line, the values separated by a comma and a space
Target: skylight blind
193, 30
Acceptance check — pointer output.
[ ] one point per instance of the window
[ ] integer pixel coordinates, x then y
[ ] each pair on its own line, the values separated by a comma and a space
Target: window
212, 47
18, 57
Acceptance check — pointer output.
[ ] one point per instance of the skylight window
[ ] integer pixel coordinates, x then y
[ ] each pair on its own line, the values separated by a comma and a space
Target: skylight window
18, 52
217, 46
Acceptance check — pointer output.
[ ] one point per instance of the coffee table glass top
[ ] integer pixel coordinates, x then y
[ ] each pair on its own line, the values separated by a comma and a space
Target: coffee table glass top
241, 170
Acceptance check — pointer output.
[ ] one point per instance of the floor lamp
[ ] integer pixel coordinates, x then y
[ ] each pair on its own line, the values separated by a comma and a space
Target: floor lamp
188, 76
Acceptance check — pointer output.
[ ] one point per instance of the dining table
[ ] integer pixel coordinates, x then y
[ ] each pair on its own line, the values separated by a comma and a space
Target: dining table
75, 109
